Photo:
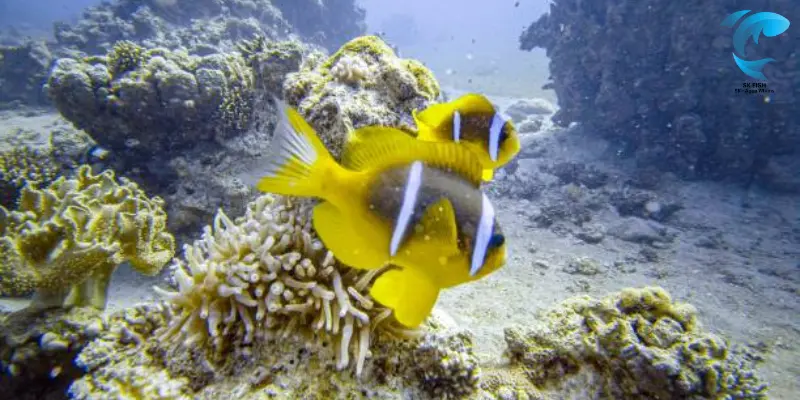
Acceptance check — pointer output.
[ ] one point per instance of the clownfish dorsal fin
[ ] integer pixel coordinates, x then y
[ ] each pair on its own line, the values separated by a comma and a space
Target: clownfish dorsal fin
378, 147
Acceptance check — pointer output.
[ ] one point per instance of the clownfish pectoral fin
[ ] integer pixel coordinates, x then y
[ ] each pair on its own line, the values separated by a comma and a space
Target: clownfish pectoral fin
352, 245
487, 175
377, 147
408, 292
436, 234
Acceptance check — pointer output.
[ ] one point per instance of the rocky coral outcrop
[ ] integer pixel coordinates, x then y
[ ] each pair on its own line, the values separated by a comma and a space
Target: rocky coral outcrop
23, 72
364, 83
37, 349
206, 118
209, 26
636, 344
658, 76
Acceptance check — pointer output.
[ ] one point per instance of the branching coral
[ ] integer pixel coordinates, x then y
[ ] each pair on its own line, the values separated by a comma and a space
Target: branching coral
64, 241
639, 345
265, 276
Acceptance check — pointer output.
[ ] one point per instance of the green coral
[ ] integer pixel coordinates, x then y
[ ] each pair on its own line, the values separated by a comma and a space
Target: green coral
640, 343
124, 57
64, 241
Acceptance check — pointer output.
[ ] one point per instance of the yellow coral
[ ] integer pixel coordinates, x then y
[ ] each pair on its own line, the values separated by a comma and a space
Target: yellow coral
265, 276
64, 241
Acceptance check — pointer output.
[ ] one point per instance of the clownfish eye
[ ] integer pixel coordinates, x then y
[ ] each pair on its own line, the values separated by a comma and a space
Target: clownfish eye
497, 240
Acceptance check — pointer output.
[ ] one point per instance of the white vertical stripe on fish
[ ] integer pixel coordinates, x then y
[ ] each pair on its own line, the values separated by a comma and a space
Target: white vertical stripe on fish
483, 236
410, 194
456, 127
494, 135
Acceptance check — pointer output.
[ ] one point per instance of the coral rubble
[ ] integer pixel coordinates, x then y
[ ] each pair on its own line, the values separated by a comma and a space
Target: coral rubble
64, 241
364, 83
658, 76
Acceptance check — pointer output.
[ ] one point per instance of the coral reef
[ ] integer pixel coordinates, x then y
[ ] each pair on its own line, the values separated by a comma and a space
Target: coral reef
261, 307
670, 98
364, 83
64, 241
36, 156
209, 26
37, 349
23, 72
209, 118
187, 99
636, 344
200, 27
329, 23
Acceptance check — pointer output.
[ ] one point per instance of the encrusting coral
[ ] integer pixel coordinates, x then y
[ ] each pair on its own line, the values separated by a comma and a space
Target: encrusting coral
64, 241
638, 344
363, 83
267, 276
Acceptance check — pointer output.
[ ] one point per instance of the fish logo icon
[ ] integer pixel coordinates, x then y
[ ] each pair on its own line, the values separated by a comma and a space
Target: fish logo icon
769, 24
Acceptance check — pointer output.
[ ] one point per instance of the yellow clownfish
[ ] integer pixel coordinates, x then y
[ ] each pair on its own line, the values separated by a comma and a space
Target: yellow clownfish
394, 200
473, 121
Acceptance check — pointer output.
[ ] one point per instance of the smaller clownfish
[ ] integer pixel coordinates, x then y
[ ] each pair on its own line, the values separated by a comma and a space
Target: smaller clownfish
471, 120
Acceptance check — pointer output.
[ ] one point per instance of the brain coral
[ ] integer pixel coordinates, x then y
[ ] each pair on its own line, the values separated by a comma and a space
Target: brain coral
64, 241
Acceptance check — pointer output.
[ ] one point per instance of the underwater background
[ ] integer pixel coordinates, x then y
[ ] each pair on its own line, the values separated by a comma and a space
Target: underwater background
651, 215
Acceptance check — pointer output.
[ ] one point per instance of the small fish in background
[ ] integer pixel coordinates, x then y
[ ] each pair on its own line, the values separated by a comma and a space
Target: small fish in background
95, 156
394, 200
473, 121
